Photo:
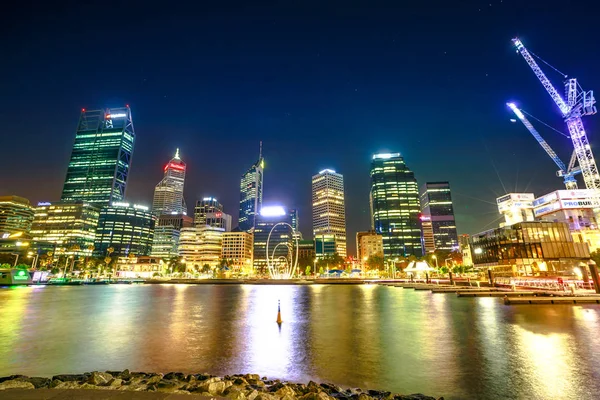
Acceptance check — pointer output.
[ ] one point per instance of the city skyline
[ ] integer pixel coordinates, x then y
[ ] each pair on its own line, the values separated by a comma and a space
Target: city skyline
348, 94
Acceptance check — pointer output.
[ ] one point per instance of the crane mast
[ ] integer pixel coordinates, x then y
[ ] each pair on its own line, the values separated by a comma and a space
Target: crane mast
578, 104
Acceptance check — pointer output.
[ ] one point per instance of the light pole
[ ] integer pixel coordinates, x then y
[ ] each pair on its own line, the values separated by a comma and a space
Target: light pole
315, 267
436, 263
35, 259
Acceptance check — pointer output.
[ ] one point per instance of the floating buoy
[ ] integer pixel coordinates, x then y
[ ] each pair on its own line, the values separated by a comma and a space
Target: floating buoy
279, 313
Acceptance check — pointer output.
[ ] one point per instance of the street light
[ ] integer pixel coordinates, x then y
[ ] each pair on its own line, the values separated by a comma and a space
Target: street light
436, 263
315, 266
35, 259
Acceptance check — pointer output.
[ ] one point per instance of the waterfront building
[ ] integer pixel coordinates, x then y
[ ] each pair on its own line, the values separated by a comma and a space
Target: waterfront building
69, 226
368, 244
166, 234
282, 244
329, 211
427, 233
101, 158
144, 267
237, 250
168, 194
306, 250
325, 245
516, 207
536, 248
177, 221
126, 228
16, 215
436, 203
395, 209
294, 219
251, 193
199, 246
209, 211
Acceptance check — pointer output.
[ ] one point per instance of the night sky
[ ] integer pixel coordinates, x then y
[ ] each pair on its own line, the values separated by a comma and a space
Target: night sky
323, 84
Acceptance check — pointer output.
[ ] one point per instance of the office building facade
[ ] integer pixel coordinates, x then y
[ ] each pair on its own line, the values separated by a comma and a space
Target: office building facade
329, 210
237, 250
282, 242
436, 203
199, 246
101, 158
251, 194
126, 228
395, 208
368, 244
168, 194
69, 226
16, 215
209, 211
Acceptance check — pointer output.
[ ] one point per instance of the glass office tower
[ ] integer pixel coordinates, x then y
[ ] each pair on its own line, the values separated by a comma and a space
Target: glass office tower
251, 194
101, 157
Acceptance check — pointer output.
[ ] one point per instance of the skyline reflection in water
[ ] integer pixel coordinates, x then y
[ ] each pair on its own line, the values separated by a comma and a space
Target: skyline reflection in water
353, 335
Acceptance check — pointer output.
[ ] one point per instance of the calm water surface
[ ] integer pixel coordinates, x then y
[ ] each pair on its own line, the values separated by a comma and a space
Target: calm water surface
361, 336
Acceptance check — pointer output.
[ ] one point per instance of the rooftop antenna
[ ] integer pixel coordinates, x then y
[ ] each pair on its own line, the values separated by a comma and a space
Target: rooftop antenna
260, 150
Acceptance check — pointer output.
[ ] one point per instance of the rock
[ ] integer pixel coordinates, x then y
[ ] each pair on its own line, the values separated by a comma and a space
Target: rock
91, 387
213, 379
168, 385
214, 388
313, 387
116, 382
134, 387
99, 378
125, 375
68, 385
39, 382
255, 377
16, 384
330, 388
53, 383
235, 394
285, 391
175, 375
414, 396
252, 395
153, 379
275, 387
10, 378
71, 378
317, 396
201, 377
240, 381
256, 383
265, 396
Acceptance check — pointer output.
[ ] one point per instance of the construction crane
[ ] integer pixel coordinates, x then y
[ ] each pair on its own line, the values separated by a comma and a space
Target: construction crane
568, 174
579, 103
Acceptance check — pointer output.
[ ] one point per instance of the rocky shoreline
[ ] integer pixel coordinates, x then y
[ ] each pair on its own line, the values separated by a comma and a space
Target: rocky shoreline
234, 387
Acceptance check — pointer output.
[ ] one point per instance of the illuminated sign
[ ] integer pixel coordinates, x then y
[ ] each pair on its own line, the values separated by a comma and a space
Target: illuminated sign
21, 275
43, 203
139, 207
503, 199
575, 194
118, 204
119, 115
385, 156
272, 211
546, 209
175, 166
331, 171
576, 203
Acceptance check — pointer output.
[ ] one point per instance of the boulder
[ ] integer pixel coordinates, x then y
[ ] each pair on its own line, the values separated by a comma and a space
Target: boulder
180, 376
275, 387
285, 391
330, 388
10, 378
16, 384
99, 378
265, 396
414, 396
116, 382
214, 388
68, 385
316, 396
168, 385
154, 379
71, 378
201, 377
134, 387
39, 382
54, 383
125, 375
235, 394
255, 377
252, 395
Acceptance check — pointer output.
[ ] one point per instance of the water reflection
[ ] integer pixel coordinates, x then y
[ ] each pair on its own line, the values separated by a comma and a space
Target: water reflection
366, 336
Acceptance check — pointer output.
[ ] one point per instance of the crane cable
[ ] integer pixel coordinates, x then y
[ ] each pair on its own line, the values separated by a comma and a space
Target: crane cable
548, 64
542, 122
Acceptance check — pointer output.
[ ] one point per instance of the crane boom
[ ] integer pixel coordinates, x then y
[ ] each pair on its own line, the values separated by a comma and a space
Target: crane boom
569, 179
579, 104
564, 108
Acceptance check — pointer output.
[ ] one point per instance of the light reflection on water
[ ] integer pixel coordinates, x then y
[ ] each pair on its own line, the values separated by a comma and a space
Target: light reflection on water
355, 335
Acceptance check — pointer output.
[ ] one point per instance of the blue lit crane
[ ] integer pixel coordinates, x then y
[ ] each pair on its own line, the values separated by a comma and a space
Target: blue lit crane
579, 103
568, 174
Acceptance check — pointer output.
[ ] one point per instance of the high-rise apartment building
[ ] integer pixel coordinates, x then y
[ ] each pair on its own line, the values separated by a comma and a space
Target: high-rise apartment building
101, 157
209, 211
251, 194
436, 202
126, 228
70, 226
200, 245
16, 215
395, 206
329, 210
368, 244
168, 194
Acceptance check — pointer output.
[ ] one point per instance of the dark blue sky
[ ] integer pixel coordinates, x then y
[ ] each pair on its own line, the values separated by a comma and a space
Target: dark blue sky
323, 84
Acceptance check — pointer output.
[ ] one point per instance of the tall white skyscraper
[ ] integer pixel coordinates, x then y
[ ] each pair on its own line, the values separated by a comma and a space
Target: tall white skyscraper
329, 210
168, 194
251, 193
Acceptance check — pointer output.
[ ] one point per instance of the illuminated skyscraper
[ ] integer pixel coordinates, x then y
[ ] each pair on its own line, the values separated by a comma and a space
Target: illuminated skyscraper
168, 194
209, 211
329, 210
16, 215
251, 193
395, 205
101, 157
436, 203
